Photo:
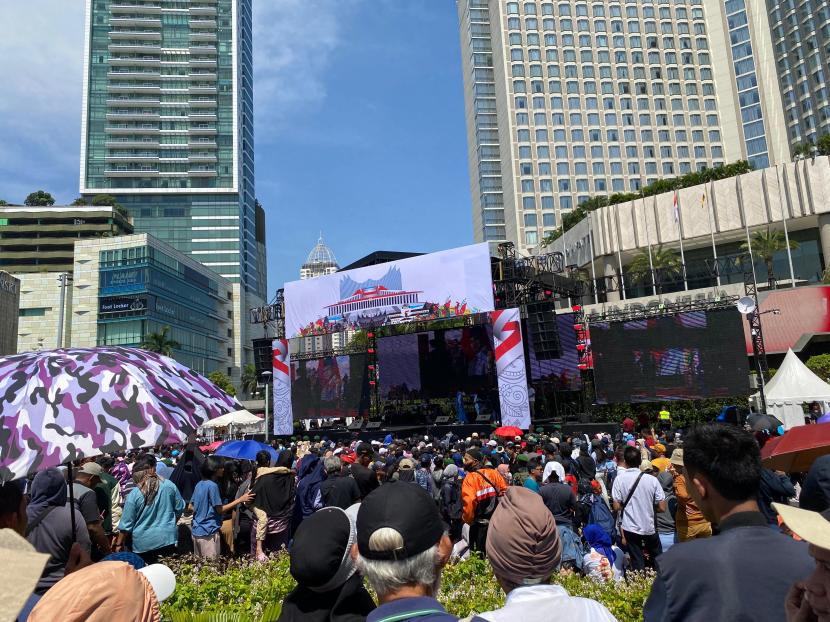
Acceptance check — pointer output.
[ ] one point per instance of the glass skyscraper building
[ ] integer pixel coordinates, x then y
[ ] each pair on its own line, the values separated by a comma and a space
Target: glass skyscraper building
167, 127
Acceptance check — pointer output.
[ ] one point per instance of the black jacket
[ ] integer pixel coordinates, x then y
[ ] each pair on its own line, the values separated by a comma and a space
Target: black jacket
743, 573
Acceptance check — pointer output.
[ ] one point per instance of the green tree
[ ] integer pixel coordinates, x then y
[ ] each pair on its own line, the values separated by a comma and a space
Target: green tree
159, 342
2, 202
223, 382
819, 365
80, 201
666, 263
359, 340
105, 200
249, 379
40, 198
764, 245
823, 144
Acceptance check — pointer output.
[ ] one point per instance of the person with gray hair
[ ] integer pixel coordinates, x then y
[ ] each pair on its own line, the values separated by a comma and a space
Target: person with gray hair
401, 549
338, 489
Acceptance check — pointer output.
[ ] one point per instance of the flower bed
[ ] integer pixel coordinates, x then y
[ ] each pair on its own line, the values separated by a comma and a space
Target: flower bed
249, 591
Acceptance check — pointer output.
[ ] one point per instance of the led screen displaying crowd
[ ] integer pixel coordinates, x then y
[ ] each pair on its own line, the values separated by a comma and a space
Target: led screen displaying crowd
690, 355
334, 386
436, 364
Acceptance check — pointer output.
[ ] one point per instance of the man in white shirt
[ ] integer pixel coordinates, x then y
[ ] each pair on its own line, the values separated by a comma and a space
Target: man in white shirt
636, 494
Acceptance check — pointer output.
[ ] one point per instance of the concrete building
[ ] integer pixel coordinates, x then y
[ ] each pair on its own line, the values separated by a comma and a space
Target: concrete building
572, 99
320, 261
713, 220
38, 239
9, 309
167, 129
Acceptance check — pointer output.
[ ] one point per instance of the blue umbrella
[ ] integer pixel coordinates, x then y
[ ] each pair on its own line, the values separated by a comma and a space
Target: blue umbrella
244, 450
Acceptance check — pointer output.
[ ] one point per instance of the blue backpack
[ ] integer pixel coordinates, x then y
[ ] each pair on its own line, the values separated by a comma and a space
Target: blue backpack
601, 515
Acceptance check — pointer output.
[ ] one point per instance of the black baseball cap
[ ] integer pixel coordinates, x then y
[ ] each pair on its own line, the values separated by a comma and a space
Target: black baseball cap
365, 449
406, 508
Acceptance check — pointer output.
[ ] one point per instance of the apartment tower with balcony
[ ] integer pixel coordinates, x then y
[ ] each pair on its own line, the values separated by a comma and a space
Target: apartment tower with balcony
167, 129
570, 99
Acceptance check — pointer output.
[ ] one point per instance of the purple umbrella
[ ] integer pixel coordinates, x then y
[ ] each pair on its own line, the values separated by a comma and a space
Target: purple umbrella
825, 418
62, 405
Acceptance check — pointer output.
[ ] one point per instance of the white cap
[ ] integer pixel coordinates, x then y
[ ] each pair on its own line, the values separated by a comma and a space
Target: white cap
492, 442
161, 578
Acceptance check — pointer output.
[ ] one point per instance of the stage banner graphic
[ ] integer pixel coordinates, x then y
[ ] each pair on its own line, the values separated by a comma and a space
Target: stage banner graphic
435, 286
510, 368
283, 420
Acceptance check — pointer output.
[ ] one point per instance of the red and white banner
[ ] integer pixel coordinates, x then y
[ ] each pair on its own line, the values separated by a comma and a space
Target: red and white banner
510, 368
283, 420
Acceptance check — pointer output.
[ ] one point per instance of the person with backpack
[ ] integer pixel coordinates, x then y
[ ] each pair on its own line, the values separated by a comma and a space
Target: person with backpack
449, 502
480, 494
593, 509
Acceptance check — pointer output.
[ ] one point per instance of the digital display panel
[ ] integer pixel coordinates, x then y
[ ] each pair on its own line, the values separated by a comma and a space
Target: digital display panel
692, 355
333, 386
561, 371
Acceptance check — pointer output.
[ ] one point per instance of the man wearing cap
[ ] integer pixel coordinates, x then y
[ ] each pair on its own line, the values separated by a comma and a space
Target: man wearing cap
689, 520
89, 503
659, 461
366, 479
480, 491
401, 549
809, 600
744, 572
524, 550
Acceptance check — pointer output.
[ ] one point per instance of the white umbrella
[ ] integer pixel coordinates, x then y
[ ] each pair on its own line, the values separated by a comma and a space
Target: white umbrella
237, 417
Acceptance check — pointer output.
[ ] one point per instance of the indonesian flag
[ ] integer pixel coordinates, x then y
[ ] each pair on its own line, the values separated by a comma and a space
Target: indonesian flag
676, 208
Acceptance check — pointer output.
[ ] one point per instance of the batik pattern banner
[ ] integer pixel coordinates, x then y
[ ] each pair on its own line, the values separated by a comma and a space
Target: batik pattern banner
283, 421
510, 368
428, 287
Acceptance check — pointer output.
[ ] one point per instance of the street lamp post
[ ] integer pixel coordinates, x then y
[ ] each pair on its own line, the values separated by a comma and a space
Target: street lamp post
267, 375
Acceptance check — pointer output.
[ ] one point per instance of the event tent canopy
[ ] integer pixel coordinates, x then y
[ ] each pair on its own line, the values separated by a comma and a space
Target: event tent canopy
237, 417
793, 385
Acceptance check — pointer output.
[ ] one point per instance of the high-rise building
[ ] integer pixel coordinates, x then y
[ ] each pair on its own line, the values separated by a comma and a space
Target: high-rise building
167, 126
167, 129
320, 261
572, 99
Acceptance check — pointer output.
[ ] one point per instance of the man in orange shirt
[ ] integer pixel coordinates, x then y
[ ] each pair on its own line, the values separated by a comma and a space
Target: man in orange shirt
660, 461
480, 494
689, 520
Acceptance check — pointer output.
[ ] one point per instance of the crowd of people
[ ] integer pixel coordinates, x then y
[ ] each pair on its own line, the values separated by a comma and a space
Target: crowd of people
722, 534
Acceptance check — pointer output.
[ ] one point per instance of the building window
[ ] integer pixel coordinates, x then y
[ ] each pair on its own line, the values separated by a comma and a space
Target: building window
34, 312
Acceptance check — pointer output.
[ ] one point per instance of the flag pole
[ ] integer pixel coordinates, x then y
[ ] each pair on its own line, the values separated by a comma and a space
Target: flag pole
703, 201
619, 252
784, 220
593, 268
678, 218
648, 242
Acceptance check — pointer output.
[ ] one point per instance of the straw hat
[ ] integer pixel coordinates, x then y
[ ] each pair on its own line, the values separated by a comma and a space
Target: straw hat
677, 457
810, 526
19, 572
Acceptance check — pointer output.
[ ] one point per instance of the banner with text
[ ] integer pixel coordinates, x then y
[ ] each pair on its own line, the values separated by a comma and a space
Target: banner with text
510, 368
428, 287
283, 420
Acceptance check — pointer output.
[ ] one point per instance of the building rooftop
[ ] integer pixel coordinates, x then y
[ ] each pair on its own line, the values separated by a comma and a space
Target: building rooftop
320, 254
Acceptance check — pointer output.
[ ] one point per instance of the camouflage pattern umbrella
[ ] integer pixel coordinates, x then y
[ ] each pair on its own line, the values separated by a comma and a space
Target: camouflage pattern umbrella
62, 405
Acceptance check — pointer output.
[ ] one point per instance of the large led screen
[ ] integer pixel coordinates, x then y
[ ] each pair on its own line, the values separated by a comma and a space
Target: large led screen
334, 386
560, 372
437, 364
691, 355
439, 285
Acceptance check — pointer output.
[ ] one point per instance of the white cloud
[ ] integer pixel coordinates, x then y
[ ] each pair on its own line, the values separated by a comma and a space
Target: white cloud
294, 41
41, 71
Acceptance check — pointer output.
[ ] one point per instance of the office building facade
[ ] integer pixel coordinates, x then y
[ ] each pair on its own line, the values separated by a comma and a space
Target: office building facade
589, 98
9, 311
167, 127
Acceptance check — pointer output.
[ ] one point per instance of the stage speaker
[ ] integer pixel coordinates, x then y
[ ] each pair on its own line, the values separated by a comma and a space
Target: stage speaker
483, 419
442, 420
263, 355
541, 324
355, 425
373, 425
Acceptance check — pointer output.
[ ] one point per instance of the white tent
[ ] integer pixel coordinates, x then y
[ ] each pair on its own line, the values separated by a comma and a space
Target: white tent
236, 418
793, 385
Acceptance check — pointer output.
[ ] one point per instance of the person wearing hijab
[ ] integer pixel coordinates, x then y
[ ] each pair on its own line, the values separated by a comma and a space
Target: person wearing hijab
151, 512
275, 488
109, 591
524, 550
188, 472
603, 561
310, 475
49, 528
328, 586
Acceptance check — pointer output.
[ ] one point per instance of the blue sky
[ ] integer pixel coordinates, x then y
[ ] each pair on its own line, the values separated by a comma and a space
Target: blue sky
360, 129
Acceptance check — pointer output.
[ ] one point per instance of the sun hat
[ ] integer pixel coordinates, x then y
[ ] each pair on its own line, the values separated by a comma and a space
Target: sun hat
814, 527
646, 465
92, 469
677, 457
19, 573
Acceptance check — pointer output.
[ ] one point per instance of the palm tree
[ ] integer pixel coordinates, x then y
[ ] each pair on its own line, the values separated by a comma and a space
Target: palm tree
764, 245
159, 343
249, 379
666, 263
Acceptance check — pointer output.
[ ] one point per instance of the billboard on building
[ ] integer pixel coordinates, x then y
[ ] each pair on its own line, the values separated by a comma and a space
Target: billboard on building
434, 286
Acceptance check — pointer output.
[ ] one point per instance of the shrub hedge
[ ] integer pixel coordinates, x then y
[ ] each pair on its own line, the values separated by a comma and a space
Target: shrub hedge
244, 590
